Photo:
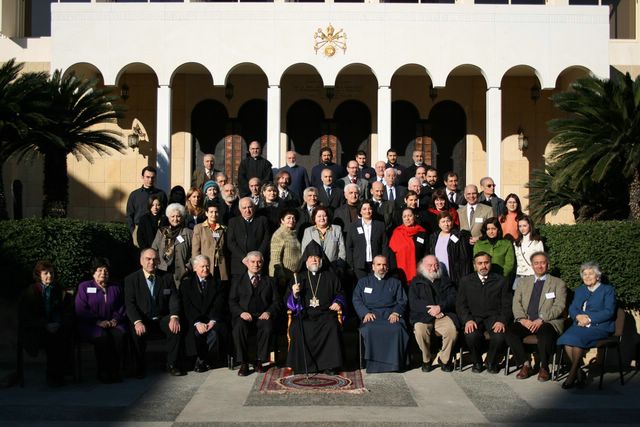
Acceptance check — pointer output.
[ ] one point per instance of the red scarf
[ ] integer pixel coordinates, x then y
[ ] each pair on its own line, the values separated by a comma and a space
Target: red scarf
402, 245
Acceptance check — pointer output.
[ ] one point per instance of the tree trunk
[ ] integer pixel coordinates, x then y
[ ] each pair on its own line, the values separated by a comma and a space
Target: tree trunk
634, 196
4, 214
55, 186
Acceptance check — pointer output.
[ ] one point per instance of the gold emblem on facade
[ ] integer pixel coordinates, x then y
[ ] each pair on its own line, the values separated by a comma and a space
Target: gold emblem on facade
330, 40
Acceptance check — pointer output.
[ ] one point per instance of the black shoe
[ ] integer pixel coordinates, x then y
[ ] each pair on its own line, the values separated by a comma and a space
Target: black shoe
244, 370
258, 367
140, 374
201, 366
174, 371
426, 367
445, 367
330, 372
477, 368
493, 368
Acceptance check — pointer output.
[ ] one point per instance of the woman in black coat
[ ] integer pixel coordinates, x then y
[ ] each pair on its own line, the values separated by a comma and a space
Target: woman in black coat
150, 222
451, 247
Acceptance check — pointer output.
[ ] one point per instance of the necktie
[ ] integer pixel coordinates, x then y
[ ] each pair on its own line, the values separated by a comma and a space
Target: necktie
328, 191
353, 180
283, 194
209, 174
451, 198
471, 210
254, 281
391, 195
483, 279
534, 302
203, 285
151, 284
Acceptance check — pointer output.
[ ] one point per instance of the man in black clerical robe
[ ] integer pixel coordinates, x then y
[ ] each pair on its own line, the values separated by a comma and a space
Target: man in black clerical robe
315, 298
380, 303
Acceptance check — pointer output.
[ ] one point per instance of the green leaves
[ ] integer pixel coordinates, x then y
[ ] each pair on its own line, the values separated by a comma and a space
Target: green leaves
596, 150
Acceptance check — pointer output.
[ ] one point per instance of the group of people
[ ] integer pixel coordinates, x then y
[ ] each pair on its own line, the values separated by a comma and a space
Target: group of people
391, 244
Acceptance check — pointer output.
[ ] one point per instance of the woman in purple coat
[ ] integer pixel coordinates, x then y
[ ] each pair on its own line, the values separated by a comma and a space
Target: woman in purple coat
100, 313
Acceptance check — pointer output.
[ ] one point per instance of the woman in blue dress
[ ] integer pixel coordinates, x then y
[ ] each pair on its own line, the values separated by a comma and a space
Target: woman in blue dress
593, 310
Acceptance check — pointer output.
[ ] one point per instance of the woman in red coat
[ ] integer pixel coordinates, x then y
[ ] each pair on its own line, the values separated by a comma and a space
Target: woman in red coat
408, 243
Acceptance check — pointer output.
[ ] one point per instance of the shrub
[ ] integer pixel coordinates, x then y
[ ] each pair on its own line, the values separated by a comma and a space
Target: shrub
69, 244
615, 245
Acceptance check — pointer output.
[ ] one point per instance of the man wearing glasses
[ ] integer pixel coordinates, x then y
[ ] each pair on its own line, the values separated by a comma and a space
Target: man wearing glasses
488, 196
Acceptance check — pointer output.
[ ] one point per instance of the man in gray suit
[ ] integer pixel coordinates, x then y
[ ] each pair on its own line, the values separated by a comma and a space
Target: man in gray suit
352, 178
538, 307
473, 214
488, 196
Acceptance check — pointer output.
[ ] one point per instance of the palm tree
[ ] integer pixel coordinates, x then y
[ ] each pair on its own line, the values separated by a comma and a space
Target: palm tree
20, 111
78, 111
598, 142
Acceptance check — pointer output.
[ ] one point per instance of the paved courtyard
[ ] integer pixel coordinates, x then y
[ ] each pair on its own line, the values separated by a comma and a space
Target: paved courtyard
220, 397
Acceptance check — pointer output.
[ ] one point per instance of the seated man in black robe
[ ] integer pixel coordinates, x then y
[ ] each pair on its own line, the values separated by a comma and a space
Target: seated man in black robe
315, 297
380, 303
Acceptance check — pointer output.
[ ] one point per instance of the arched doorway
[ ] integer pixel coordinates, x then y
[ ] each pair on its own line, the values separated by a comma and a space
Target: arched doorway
209, 123
353, 130
449, 130
305, 123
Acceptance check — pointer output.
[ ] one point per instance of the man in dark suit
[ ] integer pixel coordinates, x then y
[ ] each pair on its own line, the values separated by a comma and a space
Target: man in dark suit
253, 166
417, 156
392, 191
153, 308
326, 161
246, 233
483, 305
392, 162
349, 211
207, 173
328, 193
299, 177
364, 171
310, 203
455, 196
288, 197
204, 300
383, 209
366, 239
489, 197
254, 304
228, 205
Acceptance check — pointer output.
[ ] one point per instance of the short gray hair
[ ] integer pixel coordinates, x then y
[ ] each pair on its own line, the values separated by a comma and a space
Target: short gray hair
590, 265
253, 254
350, 186
198, 259
309, 190
176, 207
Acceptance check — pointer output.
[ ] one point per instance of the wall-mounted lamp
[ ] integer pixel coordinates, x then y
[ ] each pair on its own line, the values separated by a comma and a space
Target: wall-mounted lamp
330, 92
535, 92
523, 141
124, 92
133, 141
433, 93
228, 91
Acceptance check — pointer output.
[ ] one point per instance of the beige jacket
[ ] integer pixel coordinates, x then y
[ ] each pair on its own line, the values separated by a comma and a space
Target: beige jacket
552, 301
204, 243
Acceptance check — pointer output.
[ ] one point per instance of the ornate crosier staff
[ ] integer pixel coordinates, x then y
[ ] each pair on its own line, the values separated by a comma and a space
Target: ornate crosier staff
304, 351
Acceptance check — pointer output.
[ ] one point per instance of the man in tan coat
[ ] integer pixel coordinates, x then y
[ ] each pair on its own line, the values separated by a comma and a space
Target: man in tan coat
538, 309
473, 214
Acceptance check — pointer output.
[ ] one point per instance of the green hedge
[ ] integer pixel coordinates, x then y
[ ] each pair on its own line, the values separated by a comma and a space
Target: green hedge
615, 245
69, 244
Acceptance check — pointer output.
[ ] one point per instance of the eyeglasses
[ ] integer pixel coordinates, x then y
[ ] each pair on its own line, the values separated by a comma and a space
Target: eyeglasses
490, 185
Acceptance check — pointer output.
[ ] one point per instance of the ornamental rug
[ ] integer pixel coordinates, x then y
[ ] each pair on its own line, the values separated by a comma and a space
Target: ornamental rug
283, 381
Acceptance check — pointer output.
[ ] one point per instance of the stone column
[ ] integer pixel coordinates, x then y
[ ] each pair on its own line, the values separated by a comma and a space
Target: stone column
494, 136
273, 125
384, 124
163, 138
